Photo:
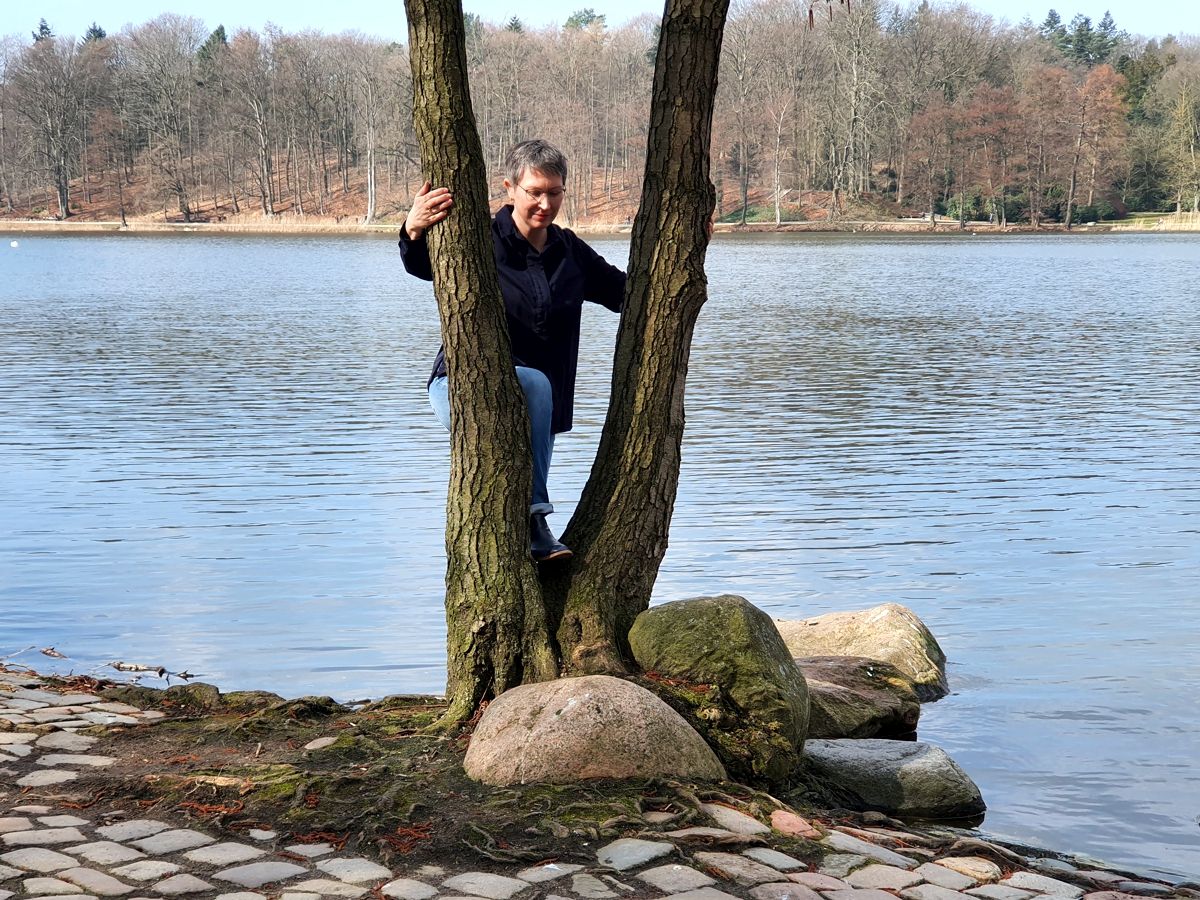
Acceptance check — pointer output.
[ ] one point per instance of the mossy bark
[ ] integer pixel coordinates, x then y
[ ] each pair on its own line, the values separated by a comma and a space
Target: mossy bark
619, 532
497, 635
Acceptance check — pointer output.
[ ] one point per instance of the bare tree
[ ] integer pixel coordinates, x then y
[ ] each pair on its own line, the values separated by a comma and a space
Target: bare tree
162, 71
48, 93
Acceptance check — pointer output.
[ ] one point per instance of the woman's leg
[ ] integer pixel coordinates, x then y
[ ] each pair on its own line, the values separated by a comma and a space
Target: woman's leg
540, 401
439, 399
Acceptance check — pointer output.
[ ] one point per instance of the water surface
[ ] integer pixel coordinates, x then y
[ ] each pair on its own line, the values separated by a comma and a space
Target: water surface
216, 455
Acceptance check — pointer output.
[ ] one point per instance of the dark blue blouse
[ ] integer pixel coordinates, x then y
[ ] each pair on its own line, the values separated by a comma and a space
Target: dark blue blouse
543, 298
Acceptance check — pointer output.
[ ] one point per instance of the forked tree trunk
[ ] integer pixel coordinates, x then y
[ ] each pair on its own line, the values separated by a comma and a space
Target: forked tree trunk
498, 631
619, 531
497, 635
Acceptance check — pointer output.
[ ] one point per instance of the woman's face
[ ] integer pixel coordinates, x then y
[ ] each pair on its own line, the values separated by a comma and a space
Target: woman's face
536, 199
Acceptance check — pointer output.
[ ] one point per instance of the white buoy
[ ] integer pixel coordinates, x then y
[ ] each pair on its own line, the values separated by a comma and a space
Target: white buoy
14, 245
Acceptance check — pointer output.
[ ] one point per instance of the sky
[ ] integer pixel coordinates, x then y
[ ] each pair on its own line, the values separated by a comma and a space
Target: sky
386, 20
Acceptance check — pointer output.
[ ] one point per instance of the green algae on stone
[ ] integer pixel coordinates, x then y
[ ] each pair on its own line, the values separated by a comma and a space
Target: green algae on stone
724, 659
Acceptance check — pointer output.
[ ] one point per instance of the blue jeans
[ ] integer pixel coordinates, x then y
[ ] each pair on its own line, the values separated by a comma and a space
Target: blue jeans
540, 401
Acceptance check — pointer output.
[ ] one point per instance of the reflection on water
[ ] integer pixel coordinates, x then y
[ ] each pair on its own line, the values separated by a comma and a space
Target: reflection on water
216, 454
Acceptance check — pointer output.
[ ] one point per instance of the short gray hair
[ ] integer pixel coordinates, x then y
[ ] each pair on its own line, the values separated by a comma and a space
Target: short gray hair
540, 156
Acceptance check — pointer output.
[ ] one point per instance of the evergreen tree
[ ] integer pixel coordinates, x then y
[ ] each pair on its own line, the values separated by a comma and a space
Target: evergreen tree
1053, 29
94, 33
515, 25
43, 31
1142, 74
584, 18
213, 46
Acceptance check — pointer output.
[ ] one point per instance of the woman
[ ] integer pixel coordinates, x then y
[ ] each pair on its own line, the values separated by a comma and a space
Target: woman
546, 273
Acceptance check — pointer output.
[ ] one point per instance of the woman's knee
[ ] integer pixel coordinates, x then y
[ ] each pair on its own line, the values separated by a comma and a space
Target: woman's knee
536, 386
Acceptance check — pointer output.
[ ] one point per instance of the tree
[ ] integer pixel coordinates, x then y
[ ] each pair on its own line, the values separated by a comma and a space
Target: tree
1052, 28
162, 67
1183, 130
503, 628
48, 94
584, 18
94, 33
43, 32
1095, 111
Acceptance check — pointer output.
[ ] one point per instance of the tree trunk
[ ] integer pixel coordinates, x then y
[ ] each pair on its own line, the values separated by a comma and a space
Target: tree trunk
620, 528
1073, 180
497, 636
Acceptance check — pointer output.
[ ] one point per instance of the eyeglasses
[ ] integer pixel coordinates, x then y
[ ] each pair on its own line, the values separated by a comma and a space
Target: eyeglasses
538, 196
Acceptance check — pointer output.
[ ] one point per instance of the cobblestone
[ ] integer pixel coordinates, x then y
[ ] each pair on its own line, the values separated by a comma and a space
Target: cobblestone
675, 878
999, 892
132, 830
74, 759
39, 859
1043, 884
94, 882
787, 890
943, 877
355, 871
106, 853
888, 878
739, 869
774, 859
310, 850
931, 892
408, 889
629, 853
43, 837
46, 778
733, 820
39, 886
224, 854
590, 887
848, 844
548, 872
260, 873
485, 884
180, 885
974, 866
328, 887
56, 851
173, 841
146, 870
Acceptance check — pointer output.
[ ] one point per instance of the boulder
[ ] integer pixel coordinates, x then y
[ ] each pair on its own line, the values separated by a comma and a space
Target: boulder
576, 729
856, 697
890, 632
731, 667
900, 778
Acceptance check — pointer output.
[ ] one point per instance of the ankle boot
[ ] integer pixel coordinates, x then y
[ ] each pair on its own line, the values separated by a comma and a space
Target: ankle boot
543, 545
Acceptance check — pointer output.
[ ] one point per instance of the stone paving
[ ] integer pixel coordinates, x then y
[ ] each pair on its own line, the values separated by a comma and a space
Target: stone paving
48, 850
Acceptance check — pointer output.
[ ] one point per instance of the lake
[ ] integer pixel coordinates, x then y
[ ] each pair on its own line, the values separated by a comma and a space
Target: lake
216, 455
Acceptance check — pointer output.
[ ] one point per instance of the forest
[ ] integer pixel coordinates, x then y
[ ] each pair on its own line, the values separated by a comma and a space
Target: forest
878, 112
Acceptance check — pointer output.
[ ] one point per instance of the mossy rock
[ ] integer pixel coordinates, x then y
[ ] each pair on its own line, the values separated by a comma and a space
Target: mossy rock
135, 695
249, 701
724, 658
196, 696
311, 710
856, 697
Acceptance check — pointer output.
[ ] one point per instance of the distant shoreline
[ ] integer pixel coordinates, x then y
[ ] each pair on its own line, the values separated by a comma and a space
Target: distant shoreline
1167, 222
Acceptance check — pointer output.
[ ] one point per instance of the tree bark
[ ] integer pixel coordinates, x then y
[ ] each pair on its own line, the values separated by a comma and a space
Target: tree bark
620, 528
497, 636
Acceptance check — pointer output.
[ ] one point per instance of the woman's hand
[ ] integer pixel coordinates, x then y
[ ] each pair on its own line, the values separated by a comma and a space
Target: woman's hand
429, 207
